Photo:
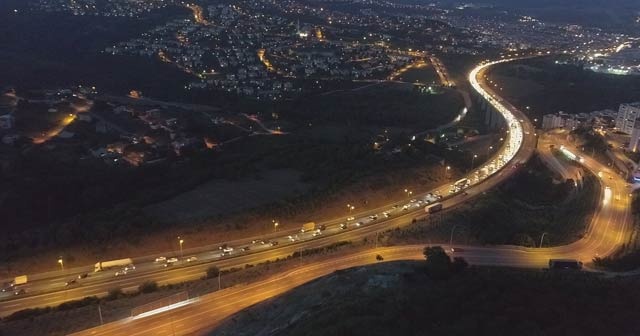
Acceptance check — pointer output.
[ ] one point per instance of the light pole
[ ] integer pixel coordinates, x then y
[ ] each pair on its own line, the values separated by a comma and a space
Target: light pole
541, 238
473, 159
275, 225
446, 172
350, 207
181, 241
489, 150
61, 262
451, 237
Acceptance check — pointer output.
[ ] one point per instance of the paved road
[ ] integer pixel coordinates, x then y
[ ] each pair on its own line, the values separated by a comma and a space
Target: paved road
48, 289
607, 231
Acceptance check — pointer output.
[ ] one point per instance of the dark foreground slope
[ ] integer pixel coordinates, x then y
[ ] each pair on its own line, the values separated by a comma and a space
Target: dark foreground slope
401, 299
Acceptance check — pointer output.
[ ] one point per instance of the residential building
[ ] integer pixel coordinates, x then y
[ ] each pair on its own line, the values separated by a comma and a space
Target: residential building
627, 116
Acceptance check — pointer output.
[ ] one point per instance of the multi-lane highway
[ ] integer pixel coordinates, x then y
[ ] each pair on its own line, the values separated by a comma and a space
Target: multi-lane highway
607, 231
49, 288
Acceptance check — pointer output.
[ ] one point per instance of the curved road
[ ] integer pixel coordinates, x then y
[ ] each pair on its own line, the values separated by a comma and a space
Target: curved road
607, 231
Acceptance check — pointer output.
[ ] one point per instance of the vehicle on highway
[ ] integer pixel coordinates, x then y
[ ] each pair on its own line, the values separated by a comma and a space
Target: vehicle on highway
161, 259
343, 226
83, 275
19, 291
19, 280
227, 249
322, 227
103, 265
373, 217
310, 226
172, 260
245, 249
358, 224
457, 249
120, 273
565, 264
386, 214
350, 218
71, 282
273, 243
379, 257
291, 238
317, 233
433, 208
192, 258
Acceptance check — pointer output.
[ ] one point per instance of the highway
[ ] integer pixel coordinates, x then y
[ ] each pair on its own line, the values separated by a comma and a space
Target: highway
48, 289
607, 231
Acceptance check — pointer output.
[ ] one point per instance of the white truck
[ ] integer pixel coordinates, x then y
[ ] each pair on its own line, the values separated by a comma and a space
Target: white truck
19, 280
308, 227
102, 265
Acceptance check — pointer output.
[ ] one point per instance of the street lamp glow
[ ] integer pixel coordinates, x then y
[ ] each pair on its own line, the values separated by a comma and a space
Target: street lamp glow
61, 262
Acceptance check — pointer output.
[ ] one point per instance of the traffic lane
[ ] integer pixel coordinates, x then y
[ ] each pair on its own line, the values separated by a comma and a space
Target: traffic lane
215, 307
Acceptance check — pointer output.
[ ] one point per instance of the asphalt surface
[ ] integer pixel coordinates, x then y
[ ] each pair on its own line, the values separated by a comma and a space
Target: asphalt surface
607, 231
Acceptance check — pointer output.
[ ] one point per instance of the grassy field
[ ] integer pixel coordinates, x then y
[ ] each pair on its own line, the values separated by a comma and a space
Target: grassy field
548, 87
518, 213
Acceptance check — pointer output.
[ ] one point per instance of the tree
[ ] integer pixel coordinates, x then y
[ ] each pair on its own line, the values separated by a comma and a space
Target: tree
213, 272
438, 262
459, 264
148, 287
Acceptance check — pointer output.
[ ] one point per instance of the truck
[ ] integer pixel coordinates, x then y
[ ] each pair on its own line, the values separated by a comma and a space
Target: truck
560, 264
19, 280
308, 227
433, 208
102, 265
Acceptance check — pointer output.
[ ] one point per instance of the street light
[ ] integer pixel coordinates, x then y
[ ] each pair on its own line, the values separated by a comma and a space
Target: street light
451, 237
181, 241
541, 238
61, 262
350, 207
275, 225
473, 159
446, 172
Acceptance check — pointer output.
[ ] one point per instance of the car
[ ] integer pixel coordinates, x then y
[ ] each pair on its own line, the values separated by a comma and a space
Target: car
227, 249
457, 249
172, 260
130, 268
291, 238
19, 291
123, 272
386, 214
343, 226
322, 227
373, 217
226, 254
161, 259
350, 218
317, 233
192, 258
359, 224
405, 207
413, 200
245, 249
273, 243
167, 264
71, 282
83, 275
